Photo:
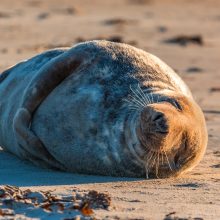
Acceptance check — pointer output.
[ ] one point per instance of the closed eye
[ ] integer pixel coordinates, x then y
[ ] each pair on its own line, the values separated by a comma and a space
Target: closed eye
175, 104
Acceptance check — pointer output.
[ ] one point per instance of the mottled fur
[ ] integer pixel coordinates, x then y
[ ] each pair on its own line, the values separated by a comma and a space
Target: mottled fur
101, 108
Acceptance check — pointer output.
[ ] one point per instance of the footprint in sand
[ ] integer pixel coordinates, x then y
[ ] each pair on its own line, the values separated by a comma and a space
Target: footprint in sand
194, 69
119, 21
185, 40
189, 185
43, 16
4, 15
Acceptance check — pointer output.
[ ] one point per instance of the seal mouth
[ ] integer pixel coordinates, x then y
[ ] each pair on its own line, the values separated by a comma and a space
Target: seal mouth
159, 165
163, 132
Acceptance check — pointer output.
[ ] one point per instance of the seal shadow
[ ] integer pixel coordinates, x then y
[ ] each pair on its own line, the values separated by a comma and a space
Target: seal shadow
14, 171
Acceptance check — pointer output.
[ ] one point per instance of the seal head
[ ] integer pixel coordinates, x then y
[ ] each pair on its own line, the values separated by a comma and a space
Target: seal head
174, 135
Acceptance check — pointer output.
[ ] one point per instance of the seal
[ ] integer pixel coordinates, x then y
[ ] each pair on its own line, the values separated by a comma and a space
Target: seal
101, 108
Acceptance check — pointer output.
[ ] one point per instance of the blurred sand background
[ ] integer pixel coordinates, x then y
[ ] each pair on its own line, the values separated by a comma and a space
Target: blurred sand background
28, 27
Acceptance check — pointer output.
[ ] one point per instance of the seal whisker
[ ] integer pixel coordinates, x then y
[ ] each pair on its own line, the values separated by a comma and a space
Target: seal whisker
174, 165
134, 109
143, 95
157, 164
134, 98
137, 97
151, 154
147, 172
132, 102
133, 105
168, 160
152, 164
148, 162
142, 100
148, 98
161, 158
157, 99
152, 98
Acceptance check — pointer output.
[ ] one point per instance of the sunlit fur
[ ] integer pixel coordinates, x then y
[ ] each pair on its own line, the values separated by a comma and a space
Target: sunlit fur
172, 133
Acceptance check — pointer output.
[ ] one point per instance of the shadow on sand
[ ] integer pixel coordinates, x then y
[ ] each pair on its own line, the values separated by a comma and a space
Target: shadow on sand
14, 171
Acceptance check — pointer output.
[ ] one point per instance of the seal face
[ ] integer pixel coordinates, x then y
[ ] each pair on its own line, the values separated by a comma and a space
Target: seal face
171, 132
101, 108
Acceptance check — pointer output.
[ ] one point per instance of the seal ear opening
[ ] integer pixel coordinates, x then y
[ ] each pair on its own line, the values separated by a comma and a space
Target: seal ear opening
41, 85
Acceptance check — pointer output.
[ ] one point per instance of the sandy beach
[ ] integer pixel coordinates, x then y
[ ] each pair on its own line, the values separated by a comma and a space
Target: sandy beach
184, 34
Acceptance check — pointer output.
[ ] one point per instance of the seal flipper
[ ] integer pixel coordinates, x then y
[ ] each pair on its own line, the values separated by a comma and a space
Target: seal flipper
30, 145
48, 77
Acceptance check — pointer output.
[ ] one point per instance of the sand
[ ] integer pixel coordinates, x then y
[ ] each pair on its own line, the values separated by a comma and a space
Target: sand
28, 27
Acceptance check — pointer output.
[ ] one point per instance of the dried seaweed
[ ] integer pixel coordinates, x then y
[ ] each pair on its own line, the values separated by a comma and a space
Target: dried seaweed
173, 216
85, 203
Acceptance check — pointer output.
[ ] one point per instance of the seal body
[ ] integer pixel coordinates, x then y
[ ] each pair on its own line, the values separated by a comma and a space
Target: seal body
79, 109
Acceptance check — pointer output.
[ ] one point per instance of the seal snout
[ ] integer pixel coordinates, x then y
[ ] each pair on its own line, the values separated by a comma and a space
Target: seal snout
155, 120
154, 129
160, 123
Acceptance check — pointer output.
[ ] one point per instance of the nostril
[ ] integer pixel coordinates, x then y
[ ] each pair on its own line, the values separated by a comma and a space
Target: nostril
160, 123
157, 116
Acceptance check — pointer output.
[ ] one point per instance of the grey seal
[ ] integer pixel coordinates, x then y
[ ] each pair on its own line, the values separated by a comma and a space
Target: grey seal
101, 108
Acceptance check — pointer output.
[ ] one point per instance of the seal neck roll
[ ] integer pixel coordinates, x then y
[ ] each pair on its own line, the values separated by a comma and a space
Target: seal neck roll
131, 138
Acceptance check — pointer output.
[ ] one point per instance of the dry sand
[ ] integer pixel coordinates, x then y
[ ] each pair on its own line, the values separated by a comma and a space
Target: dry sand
28, 27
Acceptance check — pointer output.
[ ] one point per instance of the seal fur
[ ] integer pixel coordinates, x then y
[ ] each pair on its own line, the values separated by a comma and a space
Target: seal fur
101, 108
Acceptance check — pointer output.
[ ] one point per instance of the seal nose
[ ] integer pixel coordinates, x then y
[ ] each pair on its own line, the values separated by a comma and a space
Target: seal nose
160, 123
157, 116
